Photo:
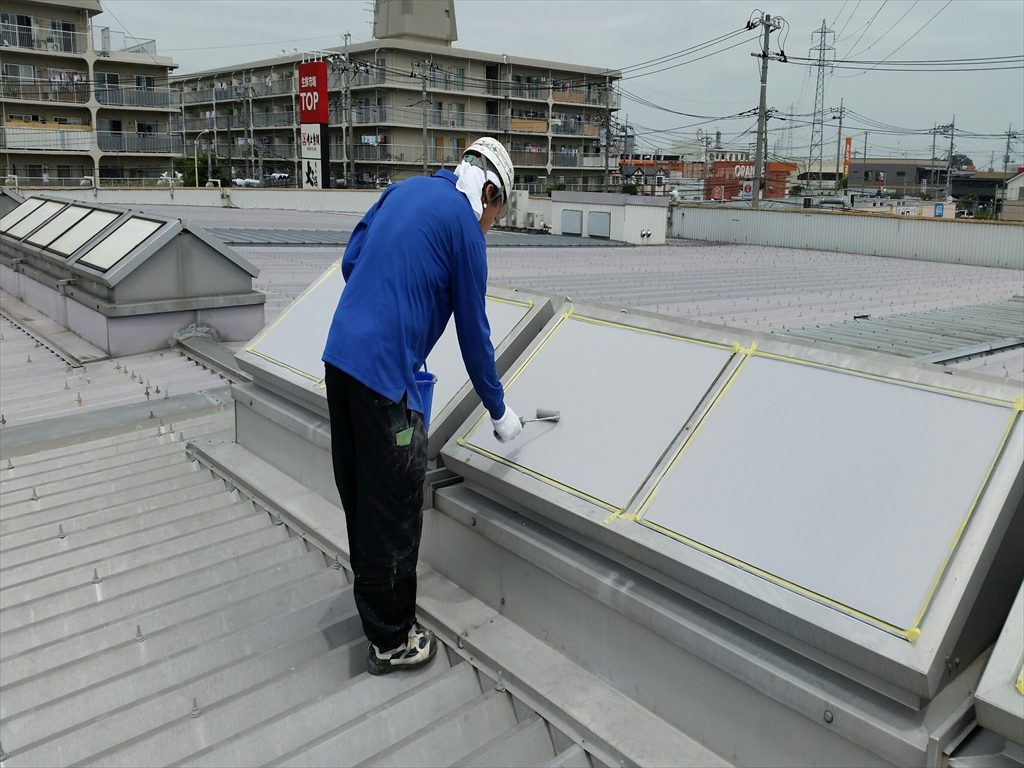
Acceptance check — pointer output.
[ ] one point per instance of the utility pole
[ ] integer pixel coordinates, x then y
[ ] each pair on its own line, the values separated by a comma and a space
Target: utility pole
949, 162
931, 168
423, 74
350, 148
769, 24
1010, 135
839, 143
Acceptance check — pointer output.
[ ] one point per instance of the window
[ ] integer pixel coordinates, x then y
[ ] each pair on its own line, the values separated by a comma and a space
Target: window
141, 127
867, 175
62, 36
145, 82
107, 81
458, 78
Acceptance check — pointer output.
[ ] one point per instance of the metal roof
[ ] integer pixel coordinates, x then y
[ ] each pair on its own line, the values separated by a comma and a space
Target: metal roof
947, 336
154, 614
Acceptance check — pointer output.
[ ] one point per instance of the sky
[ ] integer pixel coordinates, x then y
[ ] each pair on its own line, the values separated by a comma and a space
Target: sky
207, 34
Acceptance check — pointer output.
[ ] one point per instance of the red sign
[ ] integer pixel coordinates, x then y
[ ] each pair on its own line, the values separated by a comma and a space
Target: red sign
847, 150
313, 92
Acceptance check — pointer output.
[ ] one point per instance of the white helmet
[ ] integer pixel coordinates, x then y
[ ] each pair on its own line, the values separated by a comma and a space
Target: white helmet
492, 150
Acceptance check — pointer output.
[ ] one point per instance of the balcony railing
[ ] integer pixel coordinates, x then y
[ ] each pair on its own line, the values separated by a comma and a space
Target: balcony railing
53, 139
273, 119
523, 158
519, 90
529, 124
105, 41
397, 153
43, 37
580, 160
160, 143
45, 90
159, 98
567, 126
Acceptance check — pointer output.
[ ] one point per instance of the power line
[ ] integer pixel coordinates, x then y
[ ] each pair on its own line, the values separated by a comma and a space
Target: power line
890, 29
868, 25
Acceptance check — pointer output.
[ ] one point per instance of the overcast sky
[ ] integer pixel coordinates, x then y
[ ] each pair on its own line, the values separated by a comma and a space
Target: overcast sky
205, 34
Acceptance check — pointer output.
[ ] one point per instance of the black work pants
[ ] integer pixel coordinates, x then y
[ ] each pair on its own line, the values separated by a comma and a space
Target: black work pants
379, 451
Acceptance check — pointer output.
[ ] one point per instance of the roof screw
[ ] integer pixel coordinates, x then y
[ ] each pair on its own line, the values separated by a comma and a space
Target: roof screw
336, 565
66, 387
139, 637
133, 375
459, 642
147, 397
10, 464
158, 389
2, 420
829, 717
151, 415
60, 532
35, 496
29, 359
166, 394
96, 576
117, 365
195, 708
500, 685
79, 398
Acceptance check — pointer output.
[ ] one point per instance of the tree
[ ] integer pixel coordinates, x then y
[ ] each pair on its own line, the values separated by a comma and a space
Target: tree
186, 167
796, 190
960, 161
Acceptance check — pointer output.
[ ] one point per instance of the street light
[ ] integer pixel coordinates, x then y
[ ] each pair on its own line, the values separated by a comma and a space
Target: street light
195, 155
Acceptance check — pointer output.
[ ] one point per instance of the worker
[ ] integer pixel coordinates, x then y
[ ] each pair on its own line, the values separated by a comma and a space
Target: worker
415, 258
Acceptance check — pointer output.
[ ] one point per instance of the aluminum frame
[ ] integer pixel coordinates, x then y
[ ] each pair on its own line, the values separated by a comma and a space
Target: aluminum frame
878, 659
998, 701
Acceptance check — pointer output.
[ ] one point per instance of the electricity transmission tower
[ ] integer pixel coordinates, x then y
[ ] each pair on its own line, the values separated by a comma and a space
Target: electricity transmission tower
825, 53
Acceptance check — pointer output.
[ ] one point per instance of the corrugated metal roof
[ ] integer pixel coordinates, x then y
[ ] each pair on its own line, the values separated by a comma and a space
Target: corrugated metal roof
154, 616
776, 289
37, 383
934, 336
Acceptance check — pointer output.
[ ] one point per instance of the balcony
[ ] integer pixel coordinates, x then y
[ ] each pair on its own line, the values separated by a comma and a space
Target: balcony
43, 36
161, 98
522, 158
519, 90
105, 41
574, 126
409, 154
140, 143
273, 119
529, 125
595, 95
573, 159
46, 90
48, 139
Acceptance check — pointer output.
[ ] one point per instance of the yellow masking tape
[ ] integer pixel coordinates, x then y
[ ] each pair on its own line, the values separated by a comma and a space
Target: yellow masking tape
963, 524
647, 331
1020, 682
910, 635
330, 271
514, 302
1018, 404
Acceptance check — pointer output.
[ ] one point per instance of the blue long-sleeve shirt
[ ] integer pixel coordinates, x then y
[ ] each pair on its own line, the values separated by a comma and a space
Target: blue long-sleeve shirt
417, 256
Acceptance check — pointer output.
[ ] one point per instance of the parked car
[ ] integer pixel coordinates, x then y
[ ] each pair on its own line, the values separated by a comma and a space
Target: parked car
245, 182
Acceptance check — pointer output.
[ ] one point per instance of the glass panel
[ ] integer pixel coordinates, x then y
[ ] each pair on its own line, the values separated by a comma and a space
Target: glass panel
58, 225
82, 232
35, 218
623, 394
19, 213
852, 489
119, 243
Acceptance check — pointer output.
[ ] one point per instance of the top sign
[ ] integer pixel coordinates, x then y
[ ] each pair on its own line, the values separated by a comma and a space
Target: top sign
313, 92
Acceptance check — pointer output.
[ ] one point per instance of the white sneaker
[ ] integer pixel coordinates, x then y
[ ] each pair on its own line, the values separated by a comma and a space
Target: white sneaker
418, 649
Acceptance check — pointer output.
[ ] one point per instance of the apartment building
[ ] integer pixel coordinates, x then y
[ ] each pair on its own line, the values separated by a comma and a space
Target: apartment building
408, 101
79, 102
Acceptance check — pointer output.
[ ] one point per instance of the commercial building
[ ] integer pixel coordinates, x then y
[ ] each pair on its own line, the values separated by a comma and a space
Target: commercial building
906, 176
726, 178
408, 101
1013, 198
78, 101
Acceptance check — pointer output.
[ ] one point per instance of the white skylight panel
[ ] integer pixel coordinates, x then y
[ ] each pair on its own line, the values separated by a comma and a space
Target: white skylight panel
58, 225
82, 232
119, 243
35, 218
850, 490
623, 393
19, 213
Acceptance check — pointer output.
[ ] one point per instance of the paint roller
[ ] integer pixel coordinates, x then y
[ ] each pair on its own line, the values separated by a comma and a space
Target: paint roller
543, 414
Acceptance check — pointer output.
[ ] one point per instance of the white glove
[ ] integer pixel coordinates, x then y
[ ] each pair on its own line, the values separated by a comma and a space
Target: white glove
508, 426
